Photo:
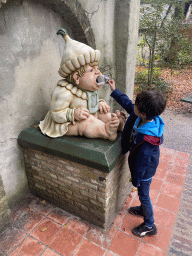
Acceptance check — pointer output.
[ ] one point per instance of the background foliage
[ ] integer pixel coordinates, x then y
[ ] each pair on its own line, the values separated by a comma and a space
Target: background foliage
165, 38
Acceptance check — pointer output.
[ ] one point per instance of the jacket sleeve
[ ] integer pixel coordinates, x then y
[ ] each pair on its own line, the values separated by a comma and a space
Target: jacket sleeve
123, 100
60, 105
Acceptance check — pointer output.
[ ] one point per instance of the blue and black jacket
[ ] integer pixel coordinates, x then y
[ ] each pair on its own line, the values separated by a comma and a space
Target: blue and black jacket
142, 142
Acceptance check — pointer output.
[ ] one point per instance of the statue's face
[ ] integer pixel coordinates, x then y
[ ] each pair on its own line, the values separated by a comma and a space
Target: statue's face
88, 80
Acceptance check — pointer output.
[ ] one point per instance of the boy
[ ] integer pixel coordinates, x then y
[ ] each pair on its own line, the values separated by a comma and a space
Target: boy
142, 135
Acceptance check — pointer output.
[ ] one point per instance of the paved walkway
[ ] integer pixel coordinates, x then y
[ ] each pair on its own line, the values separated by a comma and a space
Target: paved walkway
39, 228
178, 136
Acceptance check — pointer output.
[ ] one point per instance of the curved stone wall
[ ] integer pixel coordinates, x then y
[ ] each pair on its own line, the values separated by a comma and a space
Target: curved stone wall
71, 12
30, 57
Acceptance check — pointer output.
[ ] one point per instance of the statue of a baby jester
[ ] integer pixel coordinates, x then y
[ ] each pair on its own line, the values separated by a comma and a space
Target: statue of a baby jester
75, 108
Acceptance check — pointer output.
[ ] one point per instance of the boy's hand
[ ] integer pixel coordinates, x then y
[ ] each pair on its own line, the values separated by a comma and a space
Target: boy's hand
124, 115
104, 107
81, 113
112, 84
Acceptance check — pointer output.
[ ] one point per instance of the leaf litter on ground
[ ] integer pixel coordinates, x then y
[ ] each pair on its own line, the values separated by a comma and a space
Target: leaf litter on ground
181, 83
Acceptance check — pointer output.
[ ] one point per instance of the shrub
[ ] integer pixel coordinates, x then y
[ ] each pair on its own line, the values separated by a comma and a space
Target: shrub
157, 82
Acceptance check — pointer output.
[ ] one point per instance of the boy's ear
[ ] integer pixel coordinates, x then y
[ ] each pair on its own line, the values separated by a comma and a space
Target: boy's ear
76, 77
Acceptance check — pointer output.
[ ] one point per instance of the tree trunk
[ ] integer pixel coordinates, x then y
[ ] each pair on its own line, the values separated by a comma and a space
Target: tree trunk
149, 68
151, 60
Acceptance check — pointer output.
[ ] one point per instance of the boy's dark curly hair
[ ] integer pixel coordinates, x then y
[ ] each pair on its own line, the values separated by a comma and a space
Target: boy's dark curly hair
151, 102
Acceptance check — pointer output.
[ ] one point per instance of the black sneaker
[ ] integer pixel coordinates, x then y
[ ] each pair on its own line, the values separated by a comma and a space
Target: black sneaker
136, 211
142, 230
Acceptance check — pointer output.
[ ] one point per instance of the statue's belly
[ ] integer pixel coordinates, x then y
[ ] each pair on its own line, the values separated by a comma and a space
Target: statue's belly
78, 102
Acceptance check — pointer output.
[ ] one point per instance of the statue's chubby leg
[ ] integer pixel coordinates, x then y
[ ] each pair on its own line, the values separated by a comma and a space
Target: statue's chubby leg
120, 114
95, 128
104, 117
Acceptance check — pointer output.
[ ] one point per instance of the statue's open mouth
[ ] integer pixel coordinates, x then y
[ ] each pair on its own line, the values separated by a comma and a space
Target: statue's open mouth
101, 80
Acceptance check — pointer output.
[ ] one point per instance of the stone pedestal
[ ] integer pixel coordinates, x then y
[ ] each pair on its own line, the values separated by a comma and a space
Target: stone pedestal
87, 177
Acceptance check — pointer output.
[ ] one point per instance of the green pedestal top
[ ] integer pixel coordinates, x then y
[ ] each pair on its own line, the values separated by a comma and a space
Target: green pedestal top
97, 153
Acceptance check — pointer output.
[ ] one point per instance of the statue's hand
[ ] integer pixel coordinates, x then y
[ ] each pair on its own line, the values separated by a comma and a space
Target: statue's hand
104, 107
81, 113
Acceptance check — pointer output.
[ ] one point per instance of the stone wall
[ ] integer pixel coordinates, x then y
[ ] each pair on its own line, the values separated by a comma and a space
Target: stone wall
5, 213
30, 57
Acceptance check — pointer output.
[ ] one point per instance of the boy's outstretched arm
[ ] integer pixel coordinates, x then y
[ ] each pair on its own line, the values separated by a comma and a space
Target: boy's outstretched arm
121, 98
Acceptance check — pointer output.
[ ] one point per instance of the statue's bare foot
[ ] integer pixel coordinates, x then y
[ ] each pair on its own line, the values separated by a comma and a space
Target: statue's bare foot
112, 126
122, 119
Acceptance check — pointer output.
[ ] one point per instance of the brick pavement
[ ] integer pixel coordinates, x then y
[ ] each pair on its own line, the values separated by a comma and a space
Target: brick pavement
39, 228
181, 239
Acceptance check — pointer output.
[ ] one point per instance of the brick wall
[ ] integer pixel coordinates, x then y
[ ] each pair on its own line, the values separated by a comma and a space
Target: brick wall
92, 194
5, 213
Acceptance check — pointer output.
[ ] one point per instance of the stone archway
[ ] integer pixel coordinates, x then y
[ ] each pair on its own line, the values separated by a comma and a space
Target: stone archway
72, 13
30, 57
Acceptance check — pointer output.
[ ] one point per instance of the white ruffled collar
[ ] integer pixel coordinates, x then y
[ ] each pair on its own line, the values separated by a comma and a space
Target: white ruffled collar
74, 89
